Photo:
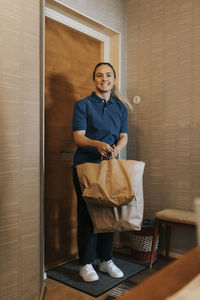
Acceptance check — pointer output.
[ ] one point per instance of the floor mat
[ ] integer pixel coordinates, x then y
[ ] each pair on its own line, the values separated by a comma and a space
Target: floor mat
69, 274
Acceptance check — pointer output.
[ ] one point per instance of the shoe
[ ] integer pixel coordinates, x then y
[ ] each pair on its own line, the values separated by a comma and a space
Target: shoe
88, 273
110, 268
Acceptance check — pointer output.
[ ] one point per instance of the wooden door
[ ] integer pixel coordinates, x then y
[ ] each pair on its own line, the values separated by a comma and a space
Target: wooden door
69, 61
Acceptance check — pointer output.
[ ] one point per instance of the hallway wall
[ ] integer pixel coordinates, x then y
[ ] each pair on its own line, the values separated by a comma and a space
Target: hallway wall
163, 69
19, 153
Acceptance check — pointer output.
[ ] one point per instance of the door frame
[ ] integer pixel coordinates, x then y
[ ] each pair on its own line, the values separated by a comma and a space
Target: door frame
105, 40
110, 39
110, 52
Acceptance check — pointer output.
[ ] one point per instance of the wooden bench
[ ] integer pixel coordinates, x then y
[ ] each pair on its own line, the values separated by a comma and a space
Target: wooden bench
171, 217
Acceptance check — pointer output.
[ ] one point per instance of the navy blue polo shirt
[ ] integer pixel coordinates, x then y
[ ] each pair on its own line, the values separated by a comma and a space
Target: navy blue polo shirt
101, 121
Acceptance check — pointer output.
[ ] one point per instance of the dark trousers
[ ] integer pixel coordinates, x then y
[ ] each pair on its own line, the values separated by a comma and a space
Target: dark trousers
90, 245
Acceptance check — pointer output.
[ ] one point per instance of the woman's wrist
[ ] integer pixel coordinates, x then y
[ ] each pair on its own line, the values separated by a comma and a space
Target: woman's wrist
117, 152
118, 149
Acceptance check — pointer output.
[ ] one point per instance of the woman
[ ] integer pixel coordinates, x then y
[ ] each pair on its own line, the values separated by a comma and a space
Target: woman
99, 129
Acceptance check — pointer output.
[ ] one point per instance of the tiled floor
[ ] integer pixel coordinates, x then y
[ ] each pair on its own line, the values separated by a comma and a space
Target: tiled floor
58, 291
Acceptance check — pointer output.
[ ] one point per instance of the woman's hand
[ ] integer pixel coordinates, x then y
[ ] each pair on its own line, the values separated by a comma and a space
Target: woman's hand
104, 149
82, 141
115, 151
121, 143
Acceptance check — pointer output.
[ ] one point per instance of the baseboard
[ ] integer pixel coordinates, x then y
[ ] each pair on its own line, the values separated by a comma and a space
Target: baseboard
43, 293
44, 276
171, 254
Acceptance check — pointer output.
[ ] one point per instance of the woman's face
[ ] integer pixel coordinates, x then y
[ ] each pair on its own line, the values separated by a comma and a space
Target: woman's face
104, 79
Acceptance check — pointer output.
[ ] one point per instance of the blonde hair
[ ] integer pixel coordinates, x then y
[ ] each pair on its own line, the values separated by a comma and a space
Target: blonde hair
115, 93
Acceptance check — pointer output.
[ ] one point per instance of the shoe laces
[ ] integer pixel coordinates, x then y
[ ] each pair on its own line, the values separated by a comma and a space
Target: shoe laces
111, 264
88, 267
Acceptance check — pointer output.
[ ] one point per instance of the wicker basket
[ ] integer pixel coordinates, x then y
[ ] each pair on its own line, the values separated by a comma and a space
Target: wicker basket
141, 244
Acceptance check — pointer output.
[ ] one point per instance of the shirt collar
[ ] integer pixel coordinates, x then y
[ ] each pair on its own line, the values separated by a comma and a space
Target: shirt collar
99, 99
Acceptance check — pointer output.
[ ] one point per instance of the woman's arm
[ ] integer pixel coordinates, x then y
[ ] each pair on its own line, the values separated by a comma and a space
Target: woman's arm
121, 143
82, 141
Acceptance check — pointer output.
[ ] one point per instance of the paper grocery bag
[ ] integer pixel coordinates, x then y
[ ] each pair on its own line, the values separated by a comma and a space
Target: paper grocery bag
108, 183
121, 218
124, 218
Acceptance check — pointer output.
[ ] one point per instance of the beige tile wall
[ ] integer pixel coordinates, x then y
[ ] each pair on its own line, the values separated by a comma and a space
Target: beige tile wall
163, 68
19, 153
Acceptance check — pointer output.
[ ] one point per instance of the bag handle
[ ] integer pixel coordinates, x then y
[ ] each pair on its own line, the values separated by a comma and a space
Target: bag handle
111, 154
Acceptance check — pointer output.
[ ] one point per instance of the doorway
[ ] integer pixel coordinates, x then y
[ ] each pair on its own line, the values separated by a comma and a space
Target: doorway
70, 56
69, 60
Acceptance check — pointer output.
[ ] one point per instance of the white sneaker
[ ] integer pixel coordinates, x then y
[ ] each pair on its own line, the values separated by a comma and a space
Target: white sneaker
110, 268
88, 273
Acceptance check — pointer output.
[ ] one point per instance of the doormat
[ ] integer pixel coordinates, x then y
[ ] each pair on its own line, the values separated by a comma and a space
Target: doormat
68, 274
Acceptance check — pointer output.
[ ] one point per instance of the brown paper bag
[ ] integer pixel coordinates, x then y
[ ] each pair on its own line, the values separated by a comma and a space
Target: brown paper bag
108, 183
124, 218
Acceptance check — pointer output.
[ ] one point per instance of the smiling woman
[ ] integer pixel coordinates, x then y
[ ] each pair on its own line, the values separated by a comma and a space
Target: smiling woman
100, 128
100, 120
104, 79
